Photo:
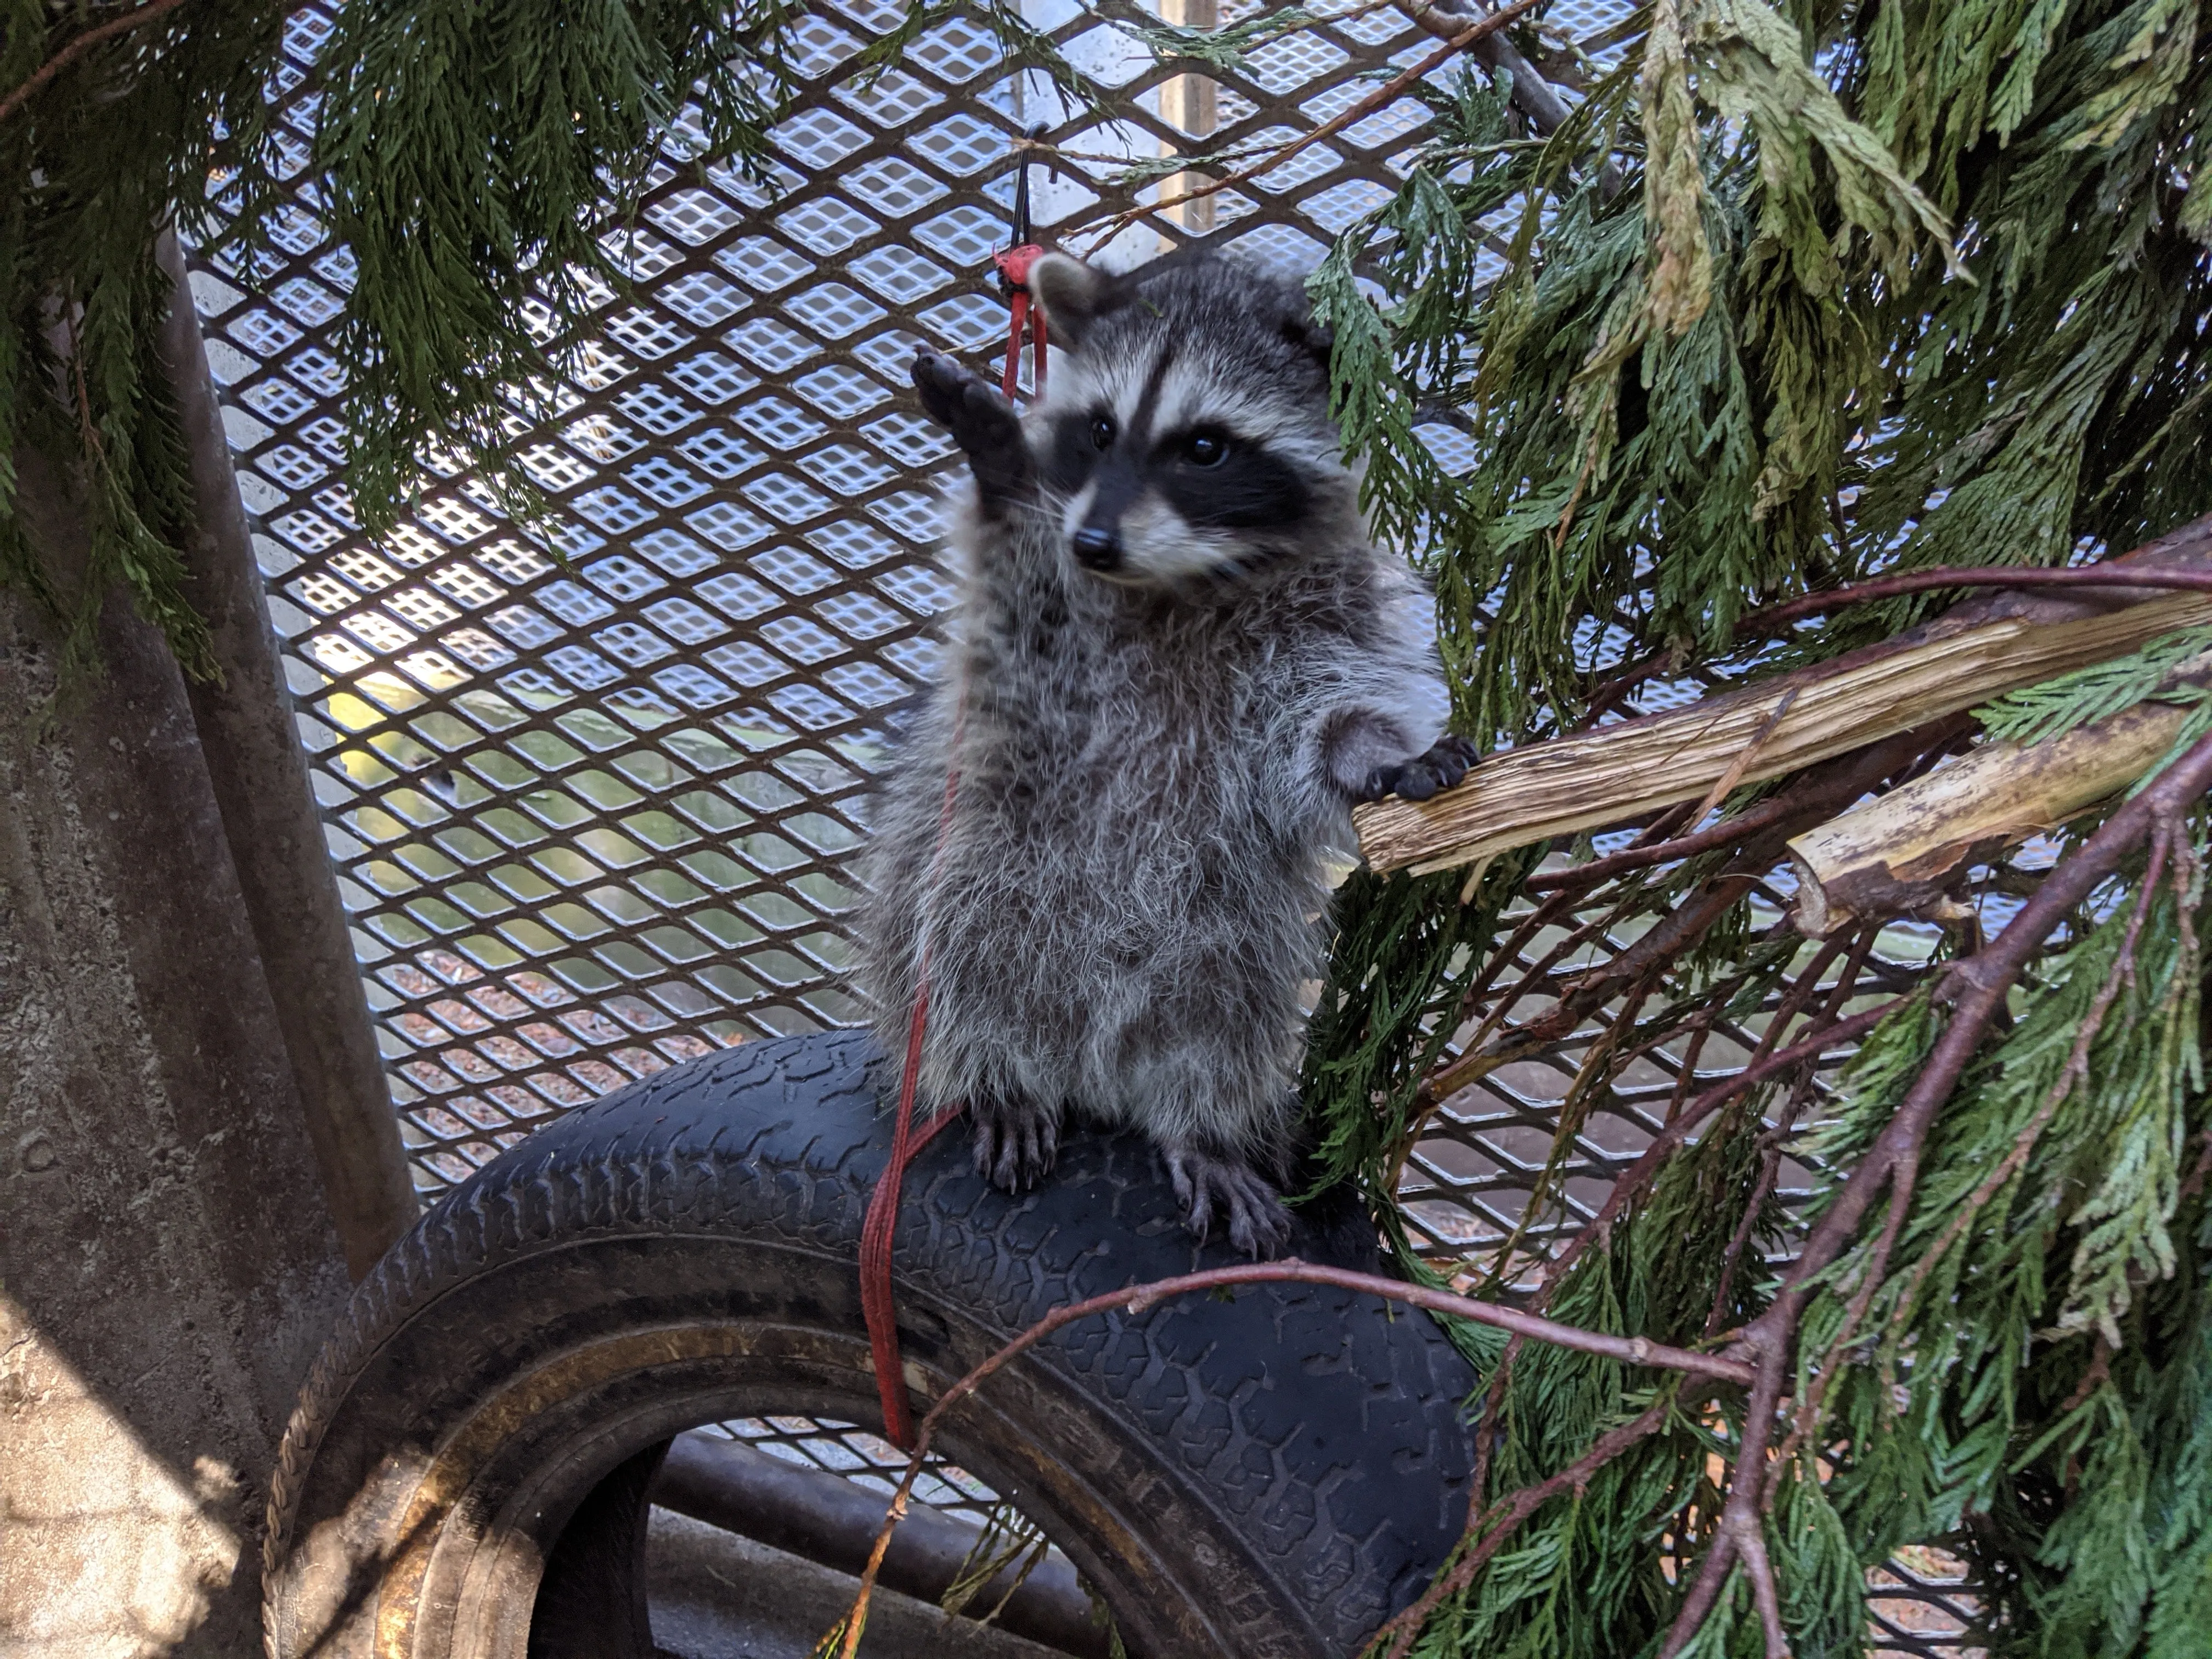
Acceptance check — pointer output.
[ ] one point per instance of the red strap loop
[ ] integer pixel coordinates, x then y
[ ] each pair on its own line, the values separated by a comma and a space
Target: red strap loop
1014, 266
881, 1220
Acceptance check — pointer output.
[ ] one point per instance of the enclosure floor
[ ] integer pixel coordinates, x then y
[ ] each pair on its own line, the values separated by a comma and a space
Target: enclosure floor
715, 1596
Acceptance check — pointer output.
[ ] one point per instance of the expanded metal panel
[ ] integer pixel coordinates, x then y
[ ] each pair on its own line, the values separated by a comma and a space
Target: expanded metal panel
593, 788
591, 802
593, 817
867, 1460
1468, 1183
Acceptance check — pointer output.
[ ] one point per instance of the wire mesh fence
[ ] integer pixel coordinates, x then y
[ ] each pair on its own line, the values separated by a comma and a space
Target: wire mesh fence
592, 785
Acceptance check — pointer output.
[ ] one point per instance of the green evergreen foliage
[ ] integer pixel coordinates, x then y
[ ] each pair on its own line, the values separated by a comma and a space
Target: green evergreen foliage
471, 152
467, 153
1799, 294
92, 163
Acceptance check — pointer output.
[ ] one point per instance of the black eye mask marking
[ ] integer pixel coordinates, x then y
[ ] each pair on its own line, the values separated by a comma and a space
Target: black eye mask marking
1247, 488
1075, 453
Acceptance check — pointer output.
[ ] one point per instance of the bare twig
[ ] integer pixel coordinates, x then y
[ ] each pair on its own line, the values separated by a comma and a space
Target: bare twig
81, 45
1942, 576
1725, 785
1534, 95
1726, 833
1634, 1179
1665, 823
1751, 1549
1771, 1142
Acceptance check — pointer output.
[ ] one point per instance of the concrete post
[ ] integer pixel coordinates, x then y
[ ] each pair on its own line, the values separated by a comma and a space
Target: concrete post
167, 1264
259, 774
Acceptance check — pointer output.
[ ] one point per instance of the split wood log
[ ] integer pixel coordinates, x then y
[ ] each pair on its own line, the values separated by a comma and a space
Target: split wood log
1617, 773
1892, 856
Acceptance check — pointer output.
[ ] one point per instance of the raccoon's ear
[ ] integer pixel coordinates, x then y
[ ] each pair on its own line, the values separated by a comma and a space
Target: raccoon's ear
1310, 336
1071, 292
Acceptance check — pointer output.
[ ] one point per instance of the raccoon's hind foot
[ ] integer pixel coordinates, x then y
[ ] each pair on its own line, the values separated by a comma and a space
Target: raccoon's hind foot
1442, 766
982, 421
1259, 1225
1016, 1142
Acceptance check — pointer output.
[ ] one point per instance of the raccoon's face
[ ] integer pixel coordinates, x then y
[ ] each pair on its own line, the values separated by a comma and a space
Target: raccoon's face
1186, 435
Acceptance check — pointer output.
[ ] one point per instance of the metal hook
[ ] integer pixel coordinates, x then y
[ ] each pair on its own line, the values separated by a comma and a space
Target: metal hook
1021, 225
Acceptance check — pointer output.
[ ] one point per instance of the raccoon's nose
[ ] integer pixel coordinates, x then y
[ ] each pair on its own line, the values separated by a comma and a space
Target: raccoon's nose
1098, 547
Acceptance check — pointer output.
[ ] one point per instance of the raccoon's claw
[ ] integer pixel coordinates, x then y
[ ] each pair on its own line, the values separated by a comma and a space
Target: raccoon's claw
1015, 1145
1418, 779
1259, 1225
982, 421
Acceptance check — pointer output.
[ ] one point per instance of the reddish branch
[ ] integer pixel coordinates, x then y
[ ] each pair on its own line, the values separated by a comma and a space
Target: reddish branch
2132, 570
1726, 833
1770, 617
1893, 1163
80, 46
1496, 1524
1140, 1298
1771, 1142
1637, 1176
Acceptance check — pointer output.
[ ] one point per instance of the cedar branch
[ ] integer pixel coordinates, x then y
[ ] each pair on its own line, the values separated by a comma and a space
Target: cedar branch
81, 45
1519, 796
1499, 1523
1893, 1161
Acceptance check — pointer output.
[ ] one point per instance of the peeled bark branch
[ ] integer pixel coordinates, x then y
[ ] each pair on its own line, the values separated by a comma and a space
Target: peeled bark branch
1893, 856
1617, 772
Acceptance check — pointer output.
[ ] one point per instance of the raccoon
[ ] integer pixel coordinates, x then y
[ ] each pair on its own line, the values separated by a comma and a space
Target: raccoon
1176, 661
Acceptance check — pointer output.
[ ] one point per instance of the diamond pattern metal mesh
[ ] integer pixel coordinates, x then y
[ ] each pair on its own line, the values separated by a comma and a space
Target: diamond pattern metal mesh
1468, 1183
591, 802
867, 1460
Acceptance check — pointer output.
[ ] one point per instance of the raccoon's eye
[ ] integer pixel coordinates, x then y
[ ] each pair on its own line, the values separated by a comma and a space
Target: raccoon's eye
1206, 449
1101, 432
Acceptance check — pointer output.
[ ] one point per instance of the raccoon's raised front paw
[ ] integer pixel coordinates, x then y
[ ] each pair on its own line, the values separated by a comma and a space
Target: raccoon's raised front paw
1015, 1143
1442, 766
982, 421
1259, 1225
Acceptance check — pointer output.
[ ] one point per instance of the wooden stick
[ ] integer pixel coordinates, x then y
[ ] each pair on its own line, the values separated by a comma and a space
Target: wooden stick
1617, 772
1891, 856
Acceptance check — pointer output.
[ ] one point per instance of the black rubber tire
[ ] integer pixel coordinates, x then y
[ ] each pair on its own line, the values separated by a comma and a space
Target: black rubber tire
1270, 1476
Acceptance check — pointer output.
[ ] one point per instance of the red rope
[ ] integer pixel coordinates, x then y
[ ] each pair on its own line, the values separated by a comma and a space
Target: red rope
881, 1220
876, 1236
